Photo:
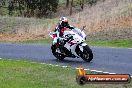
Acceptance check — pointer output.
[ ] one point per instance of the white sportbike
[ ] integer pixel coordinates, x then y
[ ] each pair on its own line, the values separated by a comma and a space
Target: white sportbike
73, 45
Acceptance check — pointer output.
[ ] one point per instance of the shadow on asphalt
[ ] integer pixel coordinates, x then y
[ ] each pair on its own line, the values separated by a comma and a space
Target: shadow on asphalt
71, 61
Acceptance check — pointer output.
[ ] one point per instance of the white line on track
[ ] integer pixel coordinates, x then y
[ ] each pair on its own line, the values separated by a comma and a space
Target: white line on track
112, 73
93, 70
99, 71
75, 68
42, 63
87, 69
64, 66
106, 72
56, 65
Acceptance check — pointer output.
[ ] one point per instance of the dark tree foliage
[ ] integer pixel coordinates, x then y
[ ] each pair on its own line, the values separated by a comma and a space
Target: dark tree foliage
2, 2
46, 7
11, 7
92, 2
31, 8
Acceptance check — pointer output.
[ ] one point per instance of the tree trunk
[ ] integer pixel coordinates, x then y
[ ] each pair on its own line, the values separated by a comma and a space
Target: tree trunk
20, 8
71, 7
67, 3
82, 4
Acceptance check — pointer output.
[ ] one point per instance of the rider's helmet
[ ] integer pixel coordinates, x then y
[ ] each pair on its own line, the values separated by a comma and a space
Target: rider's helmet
63, 21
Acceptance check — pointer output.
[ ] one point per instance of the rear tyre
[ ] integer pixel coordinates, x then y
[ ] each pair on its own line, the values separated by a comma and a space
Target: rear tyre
59, 56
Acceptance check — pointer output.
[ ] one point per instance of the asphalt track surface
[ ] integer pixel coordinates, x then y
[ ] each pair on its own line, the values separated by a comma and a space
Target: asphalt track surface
114, 60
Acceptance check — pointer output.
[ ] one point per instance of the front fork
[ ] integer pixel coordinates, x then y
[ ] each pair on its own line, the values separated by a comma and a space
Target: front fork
81, 46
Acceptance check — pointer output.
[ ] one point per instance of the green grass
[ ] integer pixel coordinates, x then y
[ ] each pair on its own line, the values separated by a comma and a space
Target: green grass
112, 43
24, 74
103, 43
4, 11
39, 41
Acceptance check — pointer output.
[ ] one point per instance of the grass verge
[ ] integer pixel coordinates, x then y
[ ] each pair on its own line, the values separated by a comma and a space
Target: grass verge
126, 43
36, 41
24, 74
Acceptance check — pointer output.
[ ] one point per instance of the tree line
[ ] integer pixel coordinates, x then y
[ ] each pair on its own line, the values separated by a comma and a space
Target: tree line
30, 8
80, 3
38, 8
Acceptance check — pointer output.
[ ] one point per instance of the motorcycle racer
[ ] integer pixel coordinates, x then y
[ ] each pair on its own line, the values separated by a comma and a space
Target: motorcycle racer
61, 27
74, 45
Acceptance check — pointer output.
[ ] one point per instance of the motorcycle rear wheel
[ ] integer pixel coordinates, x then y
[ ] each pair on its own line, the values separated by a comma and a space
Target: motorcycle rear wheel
59, 56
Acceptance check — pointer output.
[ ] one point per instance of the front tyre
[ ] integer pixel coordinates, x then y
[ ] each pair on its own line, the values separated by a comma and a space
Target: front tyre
58, 55
86, 54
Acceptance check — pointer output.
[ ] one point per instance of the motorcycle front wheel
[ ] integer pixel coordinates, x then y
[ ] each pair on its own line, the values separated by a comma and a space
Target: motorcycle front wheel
86, 55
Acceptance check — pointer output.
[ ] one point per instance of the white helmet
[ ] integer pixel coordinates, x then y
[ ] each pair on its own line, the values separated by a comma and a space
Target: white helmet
63, 21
